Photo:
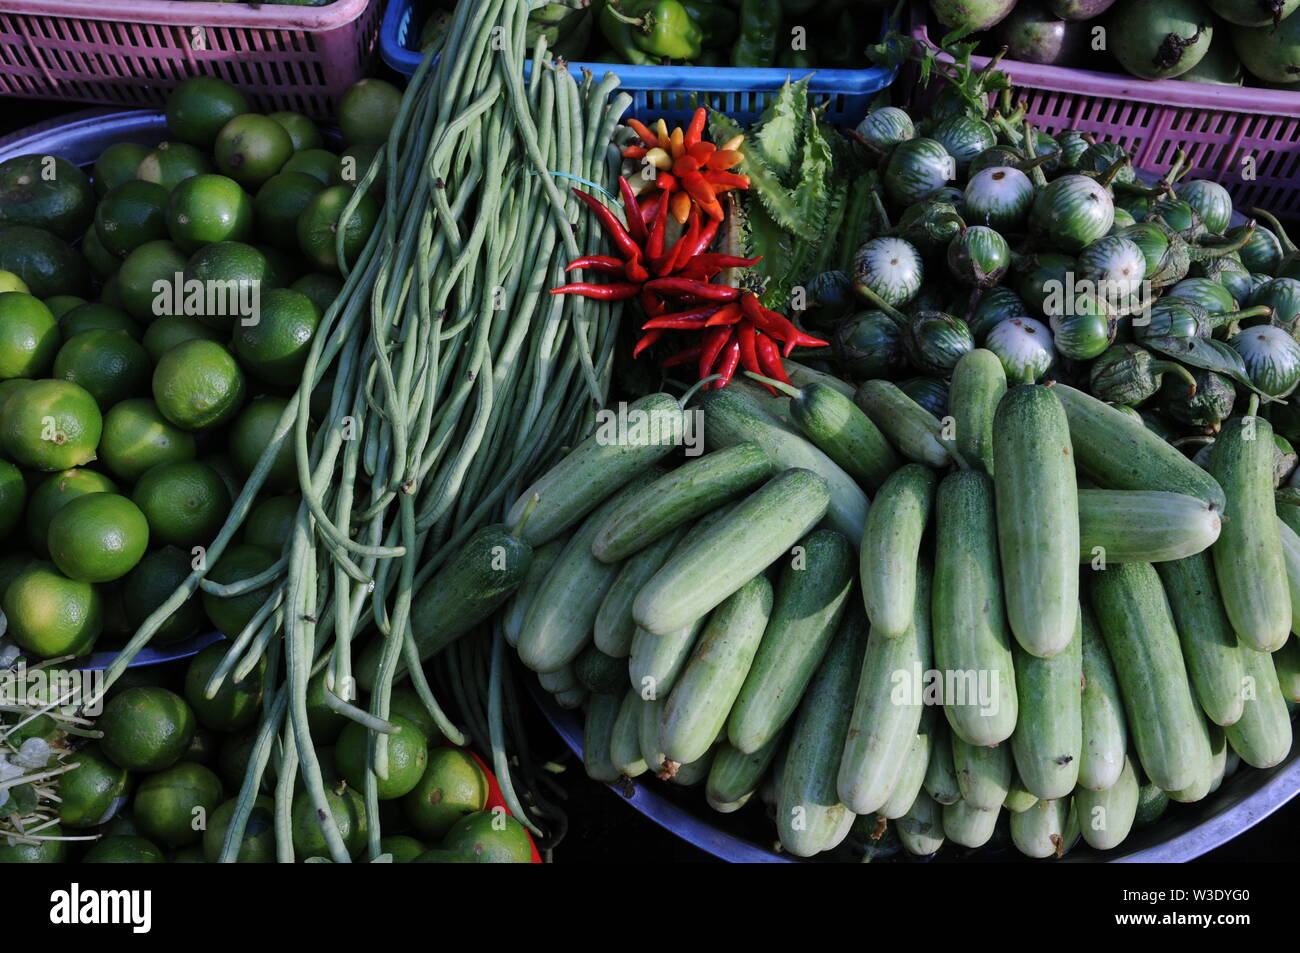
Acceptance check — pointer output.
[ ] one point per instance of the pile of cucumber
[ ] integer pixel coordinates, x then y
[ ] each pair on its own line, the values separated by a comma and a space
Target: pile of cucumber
1051, 610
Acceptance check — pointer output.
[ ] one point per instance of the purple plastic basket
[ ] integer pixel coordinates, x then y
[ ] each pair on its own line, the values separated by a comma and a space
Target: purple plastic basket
1219, 127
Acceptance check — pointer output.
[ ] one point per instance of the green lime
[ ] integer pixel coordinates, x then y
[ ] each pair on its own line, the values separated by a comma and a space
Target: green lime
130, 215
172, 807
321, 289
29, 335
285, 267
326, 724
319, 223
349, 812
251, 434
47, 849
60, 305
145, 267
91, 793
252, 148
271, 521
202, 748
51, 615
102, 262
124, 824
115, 165
11, 282
236, 703
146, 729
199, 106
353, 164
173, 329
440, 856
318, 163
405, 703
302, 131
52, 494
151, 583
96, 316
185, 502
452, 787
50, 425
258, 843
490, 837
275, 347
368, 110
10, 568
209, 208
407, 755
137, 437
279, 202
124, 849
233, 277
13, 497
9, 387
171, 164
403, 848
198, 385
110, 364
98, 537
46, 263
229, 614
45, 191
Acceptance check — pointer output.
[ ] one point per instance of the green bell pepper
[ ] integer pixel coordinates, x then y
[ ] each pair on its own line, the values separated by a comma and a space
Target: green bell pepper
620, 36
760, 23
659, 29
716, 21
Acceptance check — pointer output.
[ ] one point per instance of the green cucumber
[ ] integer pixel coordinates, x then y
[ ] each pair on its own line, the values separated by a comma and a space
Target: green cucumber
599, 673
697, 772
891, 545
1143, 526
1167, 726
983, 774
1019, 798
1210, 646
839, 428
911, 778
1248, 556
887, 710
810, 817
940, 774
572, 698
1040, 831
625, 740
614, 627
1037, 518
1118, 454
656, 661
597, 734
724, 807
648, 733
1048, 740
801, 375
978, 383
921, 828
600, 466
706, 571
560, 621
912, 429
512, 620
1291, 559
1152, 804
1106, 816
968, 825
810, 600
1105, 733
736, 775
1286, 661
971, 639
1212, 772
678, 498
732, 417
1262, 736
561, 680
698, 706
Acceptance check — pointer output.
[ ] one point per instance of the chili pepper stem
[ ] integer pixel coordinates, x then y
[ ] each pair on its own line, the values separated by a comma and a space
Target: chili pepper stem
690, 392
783, 387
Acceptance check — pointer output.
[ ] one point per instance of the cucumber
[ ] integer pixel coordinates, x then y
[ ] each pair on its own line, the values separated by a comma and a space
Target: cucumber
1212, 772
940, 774
839, 428
1040, 831
560, 620
1291, 559
698, 706
983, 774
801, 375
736, 775
1152, 804
648, 732
656, 661
704, 572
891, 545
1019, 798
1286, 662
1167, 726
732, 417
571, 698
809, 815
1105, 733
1262, 736
1248, 556
1048, 741
625, 740
911, 777
599, 673
1210, 646
1143, 526
1118, 454
968, 825
598, 467
614, 627
597, 733
1037, 518
810, 600
1106, 816
561, 680
908, 426
970, 630
978, 383
512, 620
678, 498
724, 807
697, 772
883, 725
1289, 513
921, 828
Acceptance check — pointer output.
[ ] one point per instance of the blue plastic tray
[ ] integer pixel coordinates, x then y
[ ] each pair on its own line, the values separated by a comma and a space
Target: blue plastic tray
674, 92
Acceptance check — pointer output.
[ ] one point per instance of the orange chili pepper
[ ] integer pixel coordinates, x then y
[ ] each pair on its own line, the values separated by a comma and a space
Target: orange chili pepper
685, 164
680, 206
640, 128
724, 159
678, 144
695, 131
635, 152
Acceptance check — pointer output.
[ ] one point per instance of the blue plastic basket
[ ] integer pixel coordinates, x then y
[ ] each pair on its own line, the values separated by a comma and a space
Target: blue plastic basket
674, 92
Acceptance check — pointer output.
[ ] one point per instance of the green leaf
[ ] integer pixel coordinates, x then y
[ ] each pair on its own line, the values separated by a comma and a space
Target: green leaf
779, 132
1207, 354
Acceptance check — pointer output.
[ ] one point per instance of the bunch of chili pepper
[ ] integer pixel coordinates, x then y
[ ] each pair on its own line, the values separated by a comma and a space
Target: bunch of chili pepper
691, 171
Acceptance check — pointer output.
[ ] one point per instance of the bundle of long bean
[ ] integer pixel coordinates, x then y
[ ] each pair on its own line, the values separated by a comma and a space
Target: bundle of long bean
452, 378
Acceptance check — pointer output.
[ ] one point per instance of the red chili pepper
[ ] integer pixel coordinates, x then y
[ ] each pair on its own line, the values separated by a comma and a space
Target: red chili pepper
685, 166
695, 130
646, 341
607, 264
655, 244
652, 304
769, 322
649, 205
632, 212
701, 151
699, 289
681, 357
769, 359
695, 315
799, 339
685, 242
746, 337
703, 240
701, 192
727, 314
671, 324
615, 292
727, 364
729, 179
617, 232
635, 152
666, 181
646, 136
715, 339
723, 261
